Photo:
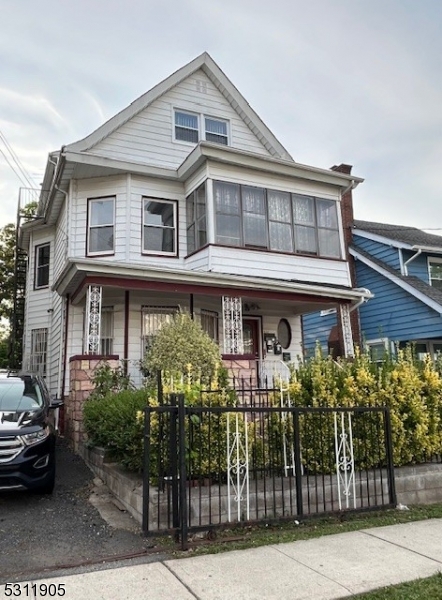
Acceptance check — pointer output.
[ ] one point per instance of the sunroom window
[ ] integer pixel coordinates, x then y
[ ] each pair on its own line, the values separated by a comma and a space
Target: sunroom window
275, 220
196, 219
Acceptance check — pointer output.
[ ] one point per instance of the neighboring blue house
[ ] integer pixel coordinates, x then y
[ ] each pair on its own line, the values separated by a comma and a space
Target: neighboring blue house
402, 267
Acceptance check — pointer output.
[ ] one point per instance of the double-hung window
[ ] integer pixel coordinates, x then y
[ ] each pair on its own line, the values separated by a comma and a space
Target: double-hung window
254, 217
159, 226
101, 226
216, 131
186, 127
196, 219
193, 127
209, 323
42, 260
228, 214
435, 270
280, 221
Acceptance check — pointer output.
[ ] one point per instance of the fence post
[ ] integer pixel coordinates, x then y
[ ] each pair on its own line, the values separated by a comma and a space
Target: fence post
298, 466
160, 388
390, 461
174, 463
146, 470
183, 471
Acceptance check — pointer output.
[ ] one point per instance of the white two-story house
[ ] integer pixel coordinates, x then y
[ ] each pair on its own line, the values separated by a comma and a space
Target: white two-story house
184, 200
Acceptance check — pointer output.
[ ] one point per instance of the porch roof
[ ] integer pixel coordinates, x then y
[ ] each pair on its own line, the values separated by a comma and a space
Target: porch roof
80, 273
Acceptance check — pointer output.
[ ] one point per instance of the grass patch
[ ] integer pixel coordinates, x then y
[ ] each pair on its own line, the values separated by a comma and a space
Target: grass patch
253, 536
421, 589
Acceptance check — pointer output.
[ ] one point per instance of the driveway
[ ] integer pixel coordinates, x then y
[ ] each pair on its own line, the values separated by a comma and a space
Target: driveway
42, 533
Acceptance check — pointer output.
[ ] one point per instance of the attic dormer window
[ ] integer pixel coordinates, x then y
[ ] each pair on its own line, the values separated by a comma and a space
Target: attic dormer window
192, 127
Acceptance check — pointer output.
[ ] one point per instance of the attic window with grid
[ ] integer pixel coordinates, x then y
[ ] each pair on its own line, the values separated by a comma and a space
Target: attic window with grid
192, 127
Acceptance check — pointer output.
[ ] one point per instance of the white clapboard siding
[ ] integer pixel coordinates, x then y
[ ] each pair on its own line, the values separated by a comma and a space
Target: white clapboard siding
267, 180
39, 303
148, 136
61, 242
238, 261
129, 191
55, 346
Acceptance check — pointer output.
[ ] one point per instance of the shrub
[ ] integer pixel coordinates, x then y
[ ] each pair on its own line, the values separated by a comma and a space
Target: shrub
113, 422
181, 343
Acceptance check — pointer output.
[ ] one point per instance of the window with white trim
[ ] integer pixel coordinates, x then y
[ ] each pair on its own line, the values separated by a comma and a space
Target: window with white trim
249, 216
39, 348
107, 331
42, 261
101, 226
152, 319
192, 127
435, 272
159, 226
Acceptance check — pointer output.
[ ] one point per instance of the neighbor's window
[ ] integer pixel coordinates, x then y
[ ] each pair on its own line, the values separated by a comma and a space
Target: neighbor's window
39, 347
159, 226
101, 225
192, 127
256, 217
435, 269
196, 219
42, 258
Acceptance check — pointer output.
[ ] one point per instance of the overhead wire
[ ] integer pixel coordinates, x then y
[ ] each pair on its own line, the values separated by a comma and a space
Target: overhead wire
17, 161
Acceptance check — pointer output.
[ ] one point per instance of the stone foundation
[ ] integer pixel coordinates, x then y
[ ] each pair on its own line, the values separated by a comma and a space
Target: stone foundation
82, 370
242, 368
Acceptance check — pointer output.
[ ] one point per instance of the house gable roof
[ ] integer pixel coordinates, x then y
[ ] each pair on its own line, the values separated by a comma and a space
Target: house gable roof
424, 292
223, 84
399, 235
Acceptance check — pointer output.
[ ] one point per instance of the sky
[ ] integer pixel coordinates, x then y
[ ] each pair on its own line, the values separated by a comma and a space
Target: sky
337, 81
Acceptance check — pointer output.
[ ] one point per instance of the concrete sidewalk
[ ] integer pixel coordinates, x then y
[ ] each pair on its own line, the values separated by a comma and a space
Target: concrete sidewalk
335, 566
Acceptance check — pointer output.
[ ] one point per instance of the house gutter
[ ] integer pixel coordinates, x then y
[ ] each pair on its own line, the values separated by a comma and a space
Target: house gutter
407, 262
368, 296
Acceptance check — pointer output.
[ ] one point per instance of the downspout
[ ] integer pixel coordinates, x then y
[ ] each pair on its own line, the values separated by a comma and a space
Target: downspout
407, 262
368, 296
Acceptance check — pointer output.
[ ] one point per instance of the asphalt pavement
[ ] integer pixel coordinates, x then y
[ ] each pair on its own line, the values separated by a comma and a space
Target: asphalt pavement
42, 533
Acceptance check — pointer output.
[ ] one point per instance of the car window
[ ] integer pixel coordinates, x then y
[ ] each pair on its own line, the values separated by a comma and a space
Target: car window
20, 394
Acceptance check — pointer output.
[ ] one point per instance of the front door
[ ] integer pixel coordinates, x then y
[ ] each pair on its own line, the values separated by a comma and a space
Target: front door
250, 331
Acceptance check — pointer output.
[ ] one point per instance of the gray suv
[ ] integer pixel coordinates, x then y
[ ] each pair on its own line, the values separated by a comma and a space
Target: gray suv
27, 436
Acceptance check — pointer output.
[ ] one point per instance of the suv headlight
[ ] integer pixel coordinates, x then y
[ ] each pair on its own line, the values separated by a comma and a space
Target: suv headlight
36, 437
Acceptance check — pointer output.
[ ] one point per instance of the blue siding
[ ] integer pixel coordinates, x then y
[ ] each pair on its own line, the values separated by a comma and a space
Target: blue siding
419, 266
393, 312
387, 254
316, 329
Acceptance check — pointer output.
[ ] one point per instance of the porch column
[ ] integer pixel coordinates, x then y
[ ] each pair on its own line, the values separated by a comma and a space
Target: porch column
93, 319
347, 335
232, 325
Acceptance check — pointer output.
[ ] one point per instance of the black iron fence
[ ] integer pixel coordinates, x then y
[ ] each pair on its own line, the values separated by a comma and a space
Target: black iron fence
208, 466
